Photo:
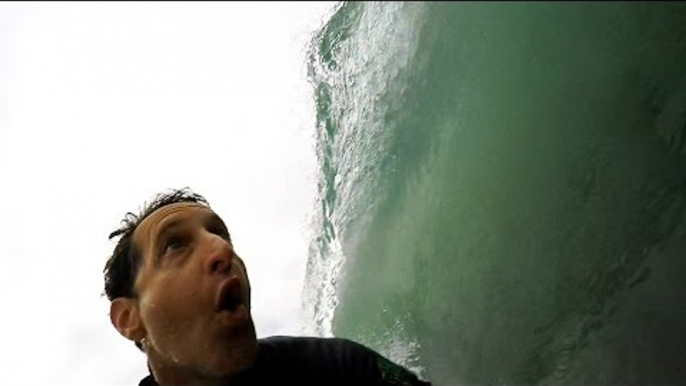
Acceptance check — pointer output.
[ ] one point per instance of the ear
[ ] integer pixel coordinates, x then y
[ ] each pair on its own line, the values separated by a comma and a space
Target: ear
126, 319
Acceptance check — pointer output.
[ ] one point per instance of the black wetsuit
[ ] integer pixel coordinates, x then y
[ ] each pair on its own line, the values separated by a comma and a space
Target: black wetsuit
319, 361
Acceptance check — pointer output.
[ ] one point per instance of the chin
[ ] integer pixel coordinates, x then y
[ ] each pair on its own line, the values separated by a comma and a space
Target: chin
239, 349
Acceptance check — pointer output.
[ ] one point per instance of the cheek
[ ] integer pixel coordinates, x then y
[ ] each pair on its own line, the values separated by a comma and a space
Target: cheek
169, 315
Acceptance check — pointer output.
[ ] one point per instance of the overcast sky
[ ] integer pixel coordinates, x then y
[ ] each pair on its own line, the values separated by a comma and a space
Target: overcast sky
103, 105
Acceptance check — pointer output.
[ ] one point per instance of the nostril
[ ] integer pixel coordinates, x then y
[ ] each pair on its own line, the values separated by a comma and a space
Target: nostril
219, 265
216, 265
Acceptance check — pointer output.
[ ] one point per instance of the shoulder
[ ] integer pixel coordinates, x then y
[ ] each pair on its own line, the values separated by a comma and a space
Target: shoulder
327, 352
321, 359
335, 359
318, 344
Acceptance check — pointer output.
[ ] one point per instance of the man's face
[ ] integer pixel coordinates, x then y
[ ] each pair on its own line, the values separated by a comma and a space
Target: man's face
193, 292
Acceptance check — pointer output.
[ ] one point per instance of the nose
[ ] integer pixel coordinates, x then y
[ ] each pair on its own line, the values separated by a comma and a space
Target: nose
219, 255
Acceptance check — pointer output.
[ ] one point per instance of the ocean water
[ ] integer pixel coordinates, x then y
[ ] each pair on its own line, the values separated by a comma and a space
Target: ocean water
502, 189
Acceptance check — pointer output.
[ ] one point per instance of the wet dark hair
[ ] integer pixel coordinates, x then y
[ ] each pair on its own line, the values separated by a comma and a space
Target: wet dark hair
122, 267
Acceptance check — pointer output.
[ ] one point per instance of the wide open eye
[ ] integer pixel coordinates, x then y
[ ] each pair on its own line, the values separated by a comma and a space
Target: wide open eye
174, 244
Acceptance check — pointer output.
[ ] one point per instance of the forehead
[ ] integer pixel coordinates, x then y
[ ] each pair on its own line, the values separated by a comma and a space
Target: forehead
182, 211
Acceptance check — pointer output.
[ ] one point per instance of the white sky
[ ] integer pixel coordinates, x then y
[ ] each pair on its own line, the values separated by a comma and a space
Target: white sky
103, 105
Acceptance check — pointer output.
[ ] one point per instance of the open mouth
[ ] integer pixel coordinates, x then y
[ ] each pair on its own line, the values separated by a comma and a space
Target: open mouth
230, 295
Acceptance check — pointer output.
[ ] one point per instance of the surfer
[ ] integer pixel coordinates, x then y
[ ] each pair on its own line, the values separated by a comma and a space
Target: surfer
180, 292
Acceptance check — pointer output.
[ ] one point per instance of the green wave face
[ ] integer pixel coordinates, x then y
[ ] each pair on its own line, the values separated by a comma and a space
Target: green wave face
502, 189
